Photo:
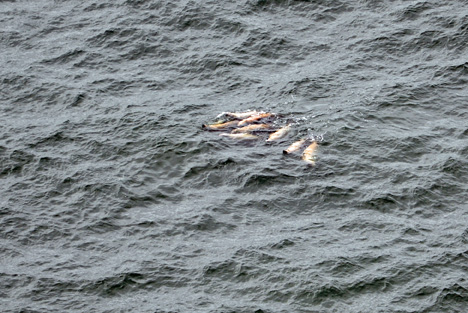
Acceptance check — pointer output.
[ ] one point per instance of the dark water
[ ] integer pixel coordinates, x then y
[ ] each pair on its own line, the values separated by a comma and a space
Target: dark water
113, 199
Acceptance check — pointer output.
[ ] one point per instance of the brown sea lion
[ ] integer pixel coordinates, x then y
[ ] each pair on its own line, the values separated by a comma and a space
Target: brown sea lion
255, 118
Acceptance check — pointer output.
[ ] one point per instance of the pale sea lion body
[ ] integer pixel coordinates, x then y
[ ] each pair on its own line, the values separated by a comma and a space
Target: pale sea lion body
221, 126
239, 136
251, 128
309, 154
295, 146
280, 133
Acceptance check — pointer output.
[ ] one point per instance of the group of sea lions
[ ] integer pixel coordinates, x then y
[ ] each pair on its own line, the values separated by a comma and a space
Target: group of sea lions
247, 125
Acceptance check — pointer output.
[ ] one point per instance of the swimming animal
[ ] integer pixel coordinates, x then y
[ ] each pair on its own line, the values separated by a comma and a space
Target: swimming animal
240, 115
309, 154
251, 128
280, 133
295, 146
239, 136
220, 126
255, 118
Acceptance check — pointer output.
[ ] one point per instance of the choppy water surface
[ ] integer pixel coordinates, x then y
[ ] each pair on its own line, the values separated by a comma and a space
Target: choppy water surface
113, 198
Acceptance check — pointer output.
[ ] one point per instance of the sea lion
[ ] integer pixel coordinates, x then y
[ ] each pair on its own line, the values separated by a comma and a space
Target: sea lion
251, 128
239, 136
280, 133
309, 154
295, 146
255, 118
220, 126
239, 115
